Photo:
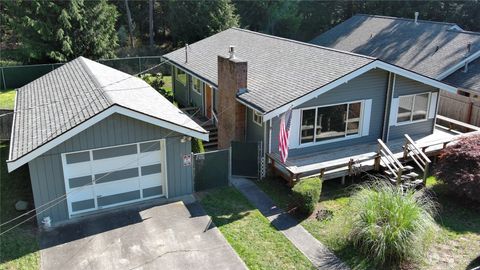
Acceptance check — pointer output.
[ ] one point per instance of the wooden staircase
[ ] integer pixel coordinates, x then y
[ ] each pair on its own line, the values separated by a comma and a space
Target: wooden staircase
212, 144
397, 170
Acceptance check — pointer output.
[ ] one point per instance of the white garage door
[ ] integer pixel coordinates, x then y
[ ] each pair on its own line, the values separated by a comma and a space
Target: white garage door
106, 177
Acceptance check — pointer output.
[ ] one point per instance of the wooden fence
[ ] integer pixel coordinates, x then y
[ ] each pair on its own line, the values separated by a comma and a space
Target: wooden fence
461, 108
5, 124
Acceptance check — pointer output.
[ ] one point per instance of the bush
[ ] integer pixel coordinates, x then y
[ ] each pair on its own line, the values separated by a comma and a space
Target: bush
389, 226
459, 167
197, 146
156, 81
306, 194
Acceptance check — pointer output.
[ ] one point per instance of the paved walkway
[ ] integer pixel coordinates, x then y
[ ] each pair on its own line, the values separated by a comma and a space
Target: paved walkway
320, 256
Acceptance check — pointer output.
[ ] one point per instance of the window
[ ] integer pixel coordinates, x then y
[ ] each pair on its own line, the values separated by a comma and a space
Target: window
412, 108
330, 122
180, 76
257, 118
196, 85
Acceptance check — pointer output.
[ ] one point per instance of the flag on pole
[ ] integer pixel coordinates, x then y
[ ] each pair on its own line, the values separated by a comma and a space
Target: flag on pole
284, 134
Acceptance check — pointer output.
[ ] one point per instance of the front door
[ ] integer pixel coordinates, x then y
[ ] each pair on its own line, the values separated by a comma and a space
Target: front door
208, 101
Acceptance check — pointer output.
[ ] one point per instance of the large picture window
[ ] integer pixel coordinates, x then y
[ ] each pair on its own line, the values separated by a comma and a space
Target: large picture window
412, 108
330, 122
180, 76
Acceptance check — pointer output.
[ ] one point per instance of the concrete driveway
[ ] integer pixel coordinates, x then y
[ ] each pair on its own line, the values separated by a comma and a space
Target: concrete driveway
170, 236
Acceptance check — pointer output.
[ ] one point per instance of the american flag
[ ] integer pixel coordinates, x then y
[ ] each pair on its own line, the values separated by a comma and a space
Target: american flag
284, 134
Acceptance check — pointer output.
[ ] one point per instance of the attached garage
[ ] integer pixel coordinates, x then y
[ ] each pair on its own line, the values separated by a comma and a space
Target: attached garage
115, 142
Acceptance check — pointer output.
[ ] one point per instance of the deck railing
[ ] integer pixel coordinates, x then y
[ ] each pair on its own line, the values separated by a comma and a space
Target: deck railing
412, 151
392, 164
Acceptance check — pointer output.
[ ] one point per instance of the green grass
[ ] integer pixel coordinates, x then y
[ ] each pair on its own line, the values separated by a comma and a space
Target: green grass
7, 99
168, 83
252, 236
456, 246
19, 247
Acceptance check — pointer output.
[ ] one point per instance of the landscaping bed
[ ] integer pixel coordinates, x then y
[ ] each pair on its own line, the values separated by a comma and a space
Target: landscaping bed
252, 236
455, 246
18, 247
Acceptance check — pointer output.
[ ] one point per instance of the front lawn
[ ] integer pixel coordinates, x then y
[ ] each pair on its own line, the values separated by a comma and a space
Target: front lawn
252, 236
457, 245
7, 99
18, 247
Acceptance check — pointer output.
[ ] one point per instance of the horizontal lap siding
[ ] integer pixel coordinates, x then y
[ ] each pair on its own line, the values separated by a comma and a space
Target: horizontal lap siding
47, 174
254, 131
371, 85
405, 86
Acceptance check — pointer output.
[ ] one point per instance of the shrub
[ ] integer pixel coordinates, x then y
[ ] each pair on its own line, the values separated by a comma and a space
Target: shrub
459, 167
156, 81
197, 146
389, 226
306, 194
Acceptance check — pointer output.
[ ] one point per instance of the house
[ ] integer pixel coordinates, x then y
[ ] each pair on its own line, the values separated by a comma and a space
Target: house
96, 138
439, 50
341, 102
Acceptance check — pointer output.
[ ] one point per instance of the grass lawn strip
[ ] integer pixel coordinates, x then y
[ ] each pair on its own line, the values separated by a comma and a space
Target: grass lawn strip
7, 99
252, 236
456, 246
19, 247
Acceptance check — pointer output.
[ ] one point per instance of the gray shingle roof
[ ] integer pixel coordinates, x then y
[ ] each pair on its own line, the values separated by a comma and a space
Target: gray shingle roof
469, 80
402, 42
279, 70
77, 91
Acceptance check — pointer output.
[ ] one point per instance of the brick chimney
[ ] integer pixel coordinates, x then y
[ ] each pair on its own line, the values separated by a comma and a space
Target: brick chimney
232, 76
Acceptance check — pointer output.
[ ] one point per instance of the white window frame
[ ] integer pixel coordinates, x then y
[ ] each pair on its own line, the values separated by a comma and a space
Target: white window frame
194, 89
346, 137
176, 76
257, 118
411, 113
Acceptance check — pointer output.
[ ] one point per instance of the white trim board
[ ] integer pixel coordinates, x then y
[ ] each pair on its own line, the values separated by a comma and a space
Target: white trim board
375, 64
12, 165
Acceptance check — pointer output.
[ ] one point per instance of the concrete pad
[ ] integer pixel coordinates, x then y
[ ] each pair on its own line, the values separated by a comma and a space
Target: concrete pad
171, 236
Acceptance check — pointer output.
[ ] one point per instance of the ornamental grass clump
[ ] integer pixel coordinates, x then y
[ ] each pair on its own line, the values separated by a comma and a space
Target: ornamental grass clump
390, 226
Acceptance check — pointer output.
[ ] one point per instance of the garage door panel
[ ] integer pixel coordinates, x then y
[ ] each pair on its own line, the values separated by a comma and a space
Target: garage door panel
149, 158
83, 205
113, 164
152, 191
81, 181
77, 169
116, 175
110, 188
107, 177
118, 198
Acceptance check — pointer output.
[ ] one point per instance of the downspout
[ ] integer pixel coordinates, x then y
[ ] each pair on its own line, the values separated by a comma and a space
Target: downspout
391, 99
436, 110
388, 106
270, 137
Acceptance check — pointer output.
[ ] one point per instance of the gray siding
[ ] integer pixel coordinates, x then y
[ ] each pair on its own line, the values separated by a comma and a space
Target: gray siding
405, 86
46, 171
371, 85
180, 91
254, 131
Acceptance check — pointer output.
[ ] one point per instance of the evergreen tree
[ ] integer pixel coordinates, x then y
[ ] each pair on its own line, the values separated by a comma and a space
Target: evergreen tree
52, 31
190, 21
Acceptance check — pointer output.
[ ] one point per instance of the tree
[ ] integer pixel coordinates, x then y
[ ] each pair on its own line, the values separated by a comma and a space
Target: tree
130, 24
60, 31
190, 21
150, 21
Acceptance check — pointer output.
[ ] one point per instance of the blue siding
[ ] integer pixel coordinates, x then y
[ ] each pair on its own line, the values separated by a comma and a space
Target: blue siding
371, 85
46, 171
405, 86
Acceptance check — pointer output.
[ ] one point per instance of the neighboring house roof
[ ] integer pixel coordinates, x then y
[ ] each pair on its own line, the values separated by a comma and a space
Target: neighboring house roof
429, 48
467, 80
78, 92
280, 71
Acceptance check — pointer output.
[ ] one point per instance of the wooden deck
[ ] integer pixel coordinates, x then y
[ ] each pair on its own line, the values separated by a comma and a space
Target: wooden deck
340, 162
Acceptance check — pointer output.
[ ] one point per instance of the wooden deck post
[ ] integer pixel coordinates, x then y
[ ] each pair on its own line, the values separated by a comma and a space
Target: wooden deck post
350, 169
425, 173
405, 149
322, 172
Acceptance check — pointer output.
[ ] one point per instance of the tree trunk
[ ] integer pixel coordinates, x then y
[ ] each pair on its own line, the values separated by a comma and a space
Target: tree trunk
150, 16
130, 24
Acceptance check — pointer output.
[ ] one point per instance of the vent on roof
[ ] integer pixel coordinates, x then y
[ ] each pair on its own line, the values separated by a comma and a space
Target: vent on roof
437, 48
469, 47
416, 16
231, 51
